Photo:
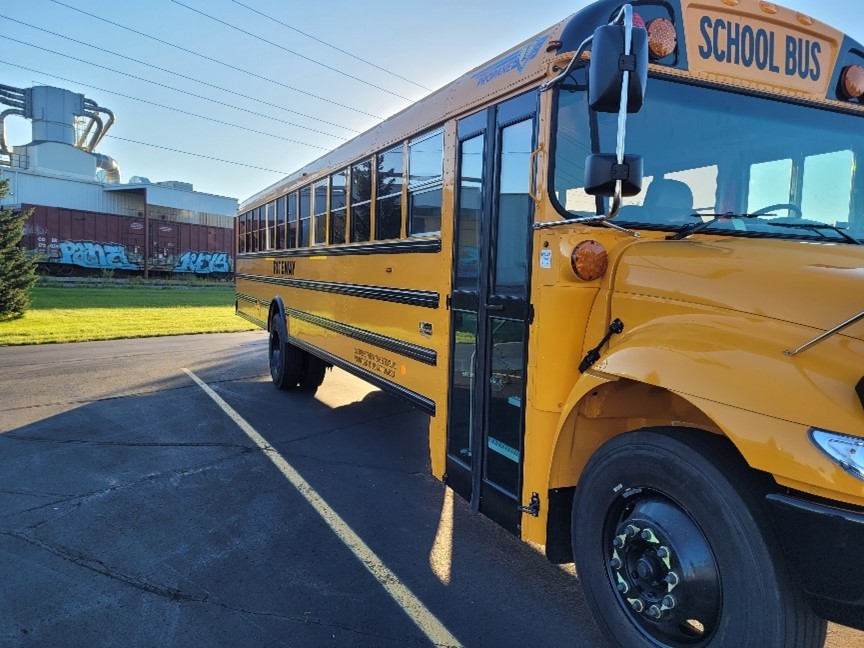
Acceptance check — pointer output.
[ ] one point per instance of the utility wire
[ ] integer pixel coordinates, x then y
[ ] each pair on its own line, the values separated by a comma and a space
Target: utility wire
165, 148
189, 51
285, 49
168, 87
179, 110
200, 155
318, 40
183, 76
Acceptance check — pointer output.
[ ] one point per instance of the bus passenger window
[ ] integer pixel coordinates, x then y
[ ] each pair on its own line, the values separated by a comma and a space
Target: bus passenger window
388, 210
255, 225
280, 223
271, 225
361, 196
770, 184
827, 188
338, 184
292, 220
319, 213
425, 167
241, 233
305, 214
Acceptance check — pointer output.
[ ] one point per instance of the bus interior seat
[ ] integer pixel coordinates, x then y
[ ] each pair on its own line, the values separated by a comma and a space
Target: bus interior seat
668, 202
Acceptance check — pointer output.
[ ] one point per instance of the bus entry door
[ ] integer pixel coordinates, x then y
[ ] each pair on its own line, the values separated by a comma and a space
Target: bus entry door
490, 308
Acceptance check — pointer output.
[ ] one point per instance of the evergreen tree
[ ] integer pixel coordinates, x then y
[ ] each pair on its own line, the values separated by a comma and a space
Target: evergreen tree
17, 272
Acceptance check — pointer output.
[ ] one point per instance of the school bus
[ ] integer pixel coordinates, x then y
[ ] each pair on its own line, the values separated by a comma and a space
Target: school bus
621, 268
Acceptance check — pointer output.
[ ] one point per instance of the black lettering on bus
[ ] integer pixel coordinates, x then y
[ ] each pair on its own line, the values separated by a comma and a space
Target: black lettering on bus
733, 42
763, 55
816, 71
706, 49
719, 55
748, 45
791, 63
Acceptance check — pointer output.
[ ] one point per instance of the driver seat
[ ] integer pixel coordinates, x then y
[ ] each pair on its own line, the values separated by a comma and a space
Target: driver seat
668, 202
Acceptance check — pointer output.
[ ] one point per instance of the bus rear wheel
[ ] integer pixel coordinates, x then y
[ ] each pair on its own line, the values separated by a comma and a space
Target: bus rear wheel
673, 548
313, 372
286, 360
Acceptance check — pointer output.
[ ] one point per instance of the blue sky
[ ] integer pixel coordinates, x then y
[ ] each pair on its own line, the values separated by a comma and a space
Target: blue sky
428, 43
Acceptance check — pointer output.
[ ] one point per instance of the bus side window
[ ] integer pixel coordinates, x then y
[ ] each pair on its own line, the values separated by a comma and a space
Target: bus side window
338, 184
280, 223
425, 168
361, 201
388, 208
319, 213
305, 215
292, 221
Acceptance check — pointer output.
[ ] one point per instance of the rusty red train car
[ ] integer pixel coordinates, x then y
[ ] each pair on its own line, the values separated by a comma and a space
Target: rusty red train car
71, 241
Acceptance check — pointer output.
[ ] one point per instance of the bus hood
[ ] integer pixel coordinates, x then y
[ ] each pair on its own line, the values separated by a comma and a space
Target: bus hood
814, 285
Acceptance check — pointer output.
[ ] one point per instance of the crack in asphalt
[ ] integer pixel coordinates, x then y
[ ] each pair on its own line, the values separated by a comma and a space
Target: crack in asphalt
175, 595
81, 498
127, 444
87, 401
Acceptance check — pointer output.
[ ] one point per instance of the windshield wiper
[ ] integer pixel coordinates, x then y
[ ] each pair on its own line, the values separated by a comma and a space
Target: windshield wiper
698, 227
816, 227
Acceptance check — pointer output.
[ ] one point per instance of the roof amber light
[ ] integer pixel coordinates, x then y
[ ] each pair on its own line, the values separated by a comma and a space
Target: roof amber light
852, 82
662, 38
589, 260
768, 7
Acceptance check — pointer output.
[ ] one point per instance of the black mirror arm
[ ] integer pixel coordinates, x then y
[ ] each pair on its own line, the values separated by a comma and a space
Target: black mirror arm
569, 68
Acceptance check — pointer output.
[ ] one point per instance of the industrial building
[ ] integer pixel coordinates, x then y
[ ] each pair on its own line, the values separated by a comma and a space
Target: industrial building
84, 219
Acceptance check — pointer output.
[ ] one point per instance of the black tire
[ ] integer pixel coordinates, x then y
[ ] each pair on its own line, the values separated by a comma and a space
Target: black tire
313, 372
673, 547
286, 360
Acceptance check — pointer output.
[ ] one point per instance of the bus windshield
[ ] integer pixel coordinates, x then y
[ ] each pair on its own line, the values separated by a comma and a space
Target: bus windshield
710, 152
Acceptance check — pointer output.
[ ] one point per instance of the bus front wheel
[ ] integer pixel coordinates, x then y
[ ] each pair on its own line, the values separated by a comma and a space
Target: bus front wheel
673, 547
286, 360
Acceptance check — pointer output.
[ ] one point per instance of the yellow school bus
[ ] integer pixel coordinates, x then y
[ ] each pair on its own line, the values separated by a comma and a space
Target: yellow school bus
621, 268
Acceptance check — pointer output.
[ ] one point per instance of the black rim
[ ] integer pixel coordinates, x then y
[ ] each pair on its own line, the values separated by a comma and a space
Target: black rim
662, 570
275, 352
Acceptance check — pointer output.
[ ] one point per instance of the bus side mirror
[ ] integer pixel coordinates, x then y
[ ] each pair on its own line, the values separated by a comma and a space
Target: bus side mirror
602, 173
609, 61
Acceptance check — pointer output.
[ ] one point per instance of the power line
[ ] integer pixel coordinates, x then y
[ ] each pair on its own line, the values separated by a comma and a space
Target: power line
179, 110
189, 51
168, 87
188, 78
285, 49
200, 155
318, 40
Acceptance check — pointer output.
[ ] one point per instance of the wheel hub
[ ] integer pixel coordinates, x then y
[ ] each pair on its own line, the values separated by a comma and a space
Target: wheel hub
663, 570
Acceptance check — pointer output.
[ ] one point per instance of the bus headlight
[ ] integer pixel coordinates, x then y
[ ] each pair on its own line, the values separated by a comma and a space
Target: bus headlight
846, 451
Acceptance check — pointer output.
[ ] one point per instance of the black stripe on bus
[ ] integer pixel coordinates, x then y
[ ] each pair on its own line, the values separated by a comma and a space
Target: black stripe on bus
415, 246
248, 298
424, 298
419, 401
254, 320
413, 351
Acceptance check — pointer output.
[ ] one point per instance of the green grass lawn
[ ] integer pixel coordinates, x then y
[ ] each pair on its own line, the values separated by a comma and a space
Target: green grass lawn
81, 314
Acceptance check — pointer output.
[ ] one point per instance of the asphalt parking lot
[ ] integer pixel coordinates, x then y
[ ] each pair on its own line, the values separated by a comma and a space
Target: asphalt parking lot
135, 511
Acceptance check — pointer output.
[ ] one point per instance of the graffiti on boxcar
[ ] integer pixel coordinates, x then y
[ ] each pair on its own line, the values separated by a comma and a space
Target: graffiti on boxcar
90, 254
204, 262
38, 230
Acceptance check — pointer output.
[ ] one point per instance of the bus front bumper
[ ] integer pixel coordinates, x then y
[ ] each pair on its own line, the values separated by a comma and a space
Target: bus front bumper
823, 547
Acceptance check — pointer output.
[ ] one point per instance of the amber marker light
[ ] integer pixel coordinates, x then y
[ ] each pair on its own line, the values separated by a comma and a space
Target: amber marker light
589, 260
768, 7
852, 81
662, 38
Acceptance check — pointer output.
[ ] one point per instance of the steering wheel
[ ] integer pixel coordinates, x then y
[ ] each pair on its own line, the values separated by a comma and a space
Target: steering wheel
770, 208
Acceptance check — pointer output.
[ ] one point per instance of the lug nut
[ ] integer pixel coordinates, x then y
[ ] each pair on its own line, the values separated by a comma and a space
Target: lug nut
623, 587
615, 563
637, 605
668, 602
617, 542
631, 531
662, 552
654, 612
672, 578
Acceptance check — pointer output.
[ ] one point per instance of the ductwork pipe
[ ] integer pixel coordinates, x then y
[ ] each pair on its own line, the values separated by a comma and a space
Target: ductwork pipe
110, 166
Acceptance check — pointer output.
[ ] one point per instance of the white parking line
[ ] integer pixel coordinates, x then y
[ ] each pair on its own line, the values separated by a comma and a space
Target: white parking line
413, 607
